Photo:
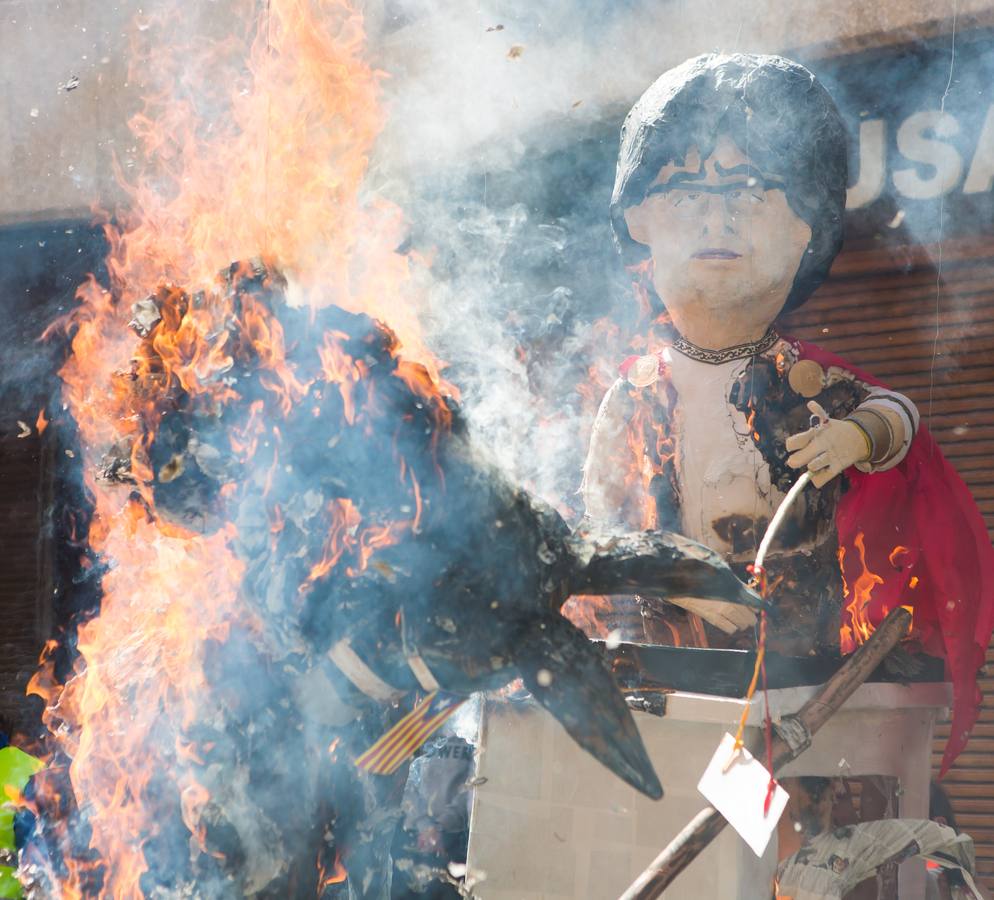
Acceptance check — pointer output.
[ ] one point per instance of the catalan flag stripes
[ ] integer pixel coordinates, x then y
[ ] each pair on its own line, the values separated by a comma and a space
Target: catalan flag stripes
390, 751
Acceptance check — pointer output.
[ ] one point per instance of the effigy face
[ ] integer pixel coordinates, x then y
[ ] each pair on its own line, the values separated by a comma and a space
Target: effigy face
724, 241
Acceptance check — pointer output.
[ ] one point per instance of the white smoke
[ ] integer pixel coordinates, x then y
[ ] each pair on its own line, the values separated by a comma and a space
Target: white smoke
499, 145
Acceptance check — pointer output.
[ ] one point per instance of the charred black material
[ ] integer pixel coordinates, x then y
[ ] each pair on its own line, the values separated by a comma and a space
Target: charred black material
364, 513
763, 389
807, 595
727, 673
651, 562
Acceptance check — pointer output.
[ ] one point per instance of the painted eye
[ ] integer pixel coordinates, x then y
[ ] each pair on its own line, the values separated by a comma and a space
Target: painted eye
757, 198
694, 196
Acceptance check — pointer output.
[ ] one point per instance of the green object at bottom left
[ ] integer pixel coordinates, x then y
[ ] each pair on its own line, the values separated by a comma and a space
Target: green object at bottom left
16, 769
10, 887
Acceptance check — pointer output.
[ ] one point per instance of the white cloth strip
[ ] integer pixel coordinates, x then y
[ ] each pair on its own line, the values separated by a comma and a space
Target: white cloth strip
352, 667
421, 671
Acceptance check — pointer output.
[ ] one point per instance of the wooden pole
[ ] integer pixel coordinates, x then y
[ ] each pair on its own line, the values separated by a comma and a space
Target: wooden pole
708, 823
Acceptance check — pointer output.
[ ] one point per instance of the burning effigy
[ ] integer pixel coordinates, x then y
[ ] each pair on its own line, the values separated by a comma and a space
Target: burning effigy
728, 209
731, 217
302, 550
306, 562
372, 554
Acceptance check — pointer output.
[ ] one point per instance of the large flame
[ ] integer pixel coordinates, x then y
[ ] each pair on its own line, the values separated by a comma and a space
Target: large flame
859, 595
857, 626
280, 175
259, 147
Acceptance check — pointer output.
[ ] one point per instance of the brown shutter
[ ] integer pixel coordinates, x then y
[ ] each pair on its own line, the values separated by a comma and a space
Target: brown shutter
931, 337
21, 621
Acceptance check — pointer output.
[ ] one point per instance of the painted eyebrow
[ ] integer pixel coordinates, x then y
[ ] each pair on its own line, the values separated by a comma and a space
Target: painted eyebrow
675, 180
750, 171
744, 169
741, 169
688, 179
689, 185
680, 177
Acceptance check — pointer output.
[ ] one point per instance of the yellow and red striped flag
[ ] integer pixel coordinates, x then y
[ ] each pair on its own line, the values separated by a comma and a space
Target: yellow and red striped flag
390, 751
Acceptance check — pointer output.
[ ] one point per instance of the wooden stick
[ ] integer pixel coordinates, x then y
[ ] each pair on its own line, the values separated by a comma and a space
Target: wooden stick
708, 823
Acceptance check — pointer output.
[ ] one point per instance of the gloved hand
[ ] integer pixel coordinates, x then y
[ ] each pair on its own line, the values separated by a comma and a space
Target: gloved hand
830, 447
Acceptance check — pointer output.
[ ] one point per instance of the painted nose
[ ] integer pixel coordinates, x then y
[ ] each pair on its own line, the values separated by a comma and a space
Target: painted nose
717, 219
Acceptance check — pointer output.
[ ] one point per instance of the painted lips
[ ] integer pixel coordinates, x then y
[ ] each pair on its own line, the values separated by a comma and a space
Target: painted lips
713, 253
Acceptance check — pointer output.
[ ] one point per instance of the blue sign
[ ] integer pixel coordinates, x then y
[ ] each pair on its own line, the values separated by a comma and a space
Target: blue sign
921, 119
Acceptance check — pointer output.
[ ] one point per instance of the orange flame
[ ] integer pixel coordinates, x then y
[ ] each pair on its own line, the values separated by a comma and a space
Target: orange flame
897, 556
652, 447
278, 173
337, 875
587, 614
339, 368
859, 628
341, 537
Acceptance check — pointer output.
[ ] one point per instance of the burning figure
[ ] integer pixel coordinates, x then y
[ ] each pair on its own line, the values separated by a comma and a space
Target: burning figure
728, 205
377, 555
383, 555
296, 534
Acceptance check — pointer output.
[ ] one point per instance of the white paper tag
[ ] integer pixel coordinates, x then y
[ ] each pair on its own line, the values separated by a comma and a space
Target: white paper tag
739, 794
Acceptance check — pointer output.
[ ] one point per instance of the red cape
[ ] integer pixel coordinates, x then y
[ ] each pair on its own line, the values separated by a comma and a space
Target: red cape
944, 569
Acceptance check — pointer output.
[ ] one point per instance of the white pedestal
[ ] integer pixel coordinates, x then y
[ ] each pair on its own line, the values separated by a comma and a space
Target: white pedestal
551, 823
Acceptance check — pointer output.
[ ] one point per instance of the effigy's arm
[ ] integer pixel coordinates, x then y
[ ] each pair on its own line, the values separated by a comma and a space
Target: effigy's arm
873, 437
